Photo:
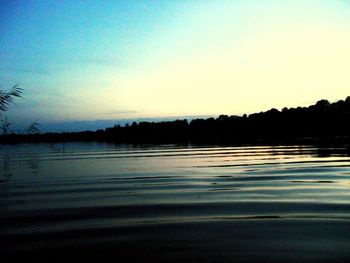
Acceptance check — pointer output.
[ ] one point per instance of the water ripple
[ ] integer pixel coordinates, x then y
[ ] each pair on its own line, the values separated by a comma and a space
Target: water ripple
98, 195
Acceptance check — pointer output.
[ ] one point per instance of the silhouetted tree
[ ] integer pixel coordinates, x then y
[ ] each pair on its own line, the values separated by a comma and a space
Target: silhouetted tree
323, 120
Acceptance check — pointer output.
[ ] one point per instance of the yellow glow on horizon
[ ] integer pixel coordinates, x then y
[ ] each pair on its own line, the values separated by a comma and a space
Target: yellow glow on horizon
275, 69
206, 58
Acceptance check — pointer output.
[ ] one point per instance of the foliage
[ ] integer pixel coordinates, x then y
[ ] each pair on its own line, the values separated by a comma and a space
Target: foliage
5, 126
32, 128
6, 99
323, 121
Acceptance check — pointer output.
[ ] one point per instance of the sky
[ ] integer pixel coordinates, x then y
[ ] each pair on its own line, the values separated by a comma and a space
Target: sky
93, 61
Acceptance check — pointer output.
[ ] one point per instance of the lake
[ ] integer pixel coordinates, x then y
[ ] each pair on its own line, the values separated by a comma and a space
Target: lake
171, 203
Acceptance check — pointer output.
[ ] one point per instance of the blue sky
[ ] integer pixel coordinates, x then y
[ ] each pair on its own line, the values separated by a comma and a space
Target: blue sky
112, 60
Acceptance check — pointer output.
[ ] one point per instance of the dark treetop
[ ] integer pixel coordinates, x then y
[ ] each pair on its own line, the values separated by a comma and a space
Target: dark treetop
323, 121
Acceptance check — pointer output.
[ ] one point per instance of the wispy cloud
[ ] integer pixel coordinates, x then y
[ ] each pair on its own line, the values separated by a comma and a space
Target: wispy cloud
120, 112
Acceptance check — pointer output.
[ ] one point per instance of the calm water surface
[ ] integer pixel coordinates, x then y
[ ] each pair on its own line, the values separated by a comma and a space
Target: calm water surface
174, 203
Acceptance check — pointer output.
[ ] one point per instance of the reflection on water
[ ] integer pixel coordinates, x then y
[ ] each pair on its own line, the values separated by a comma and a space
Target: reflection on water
171, 203
5, 166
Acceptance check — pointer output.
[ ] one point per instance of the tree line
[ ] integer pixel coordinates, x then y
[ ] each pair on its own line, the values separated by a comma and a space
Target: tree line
321, 121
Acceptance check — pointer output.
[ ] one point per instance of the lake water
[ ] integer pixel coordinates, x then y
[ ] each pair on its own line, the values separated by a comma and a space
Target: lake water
174, 203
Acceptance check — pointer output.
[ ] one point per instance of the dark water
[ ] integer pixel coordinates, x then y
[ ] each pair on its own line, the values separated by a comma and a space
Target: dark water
175, 203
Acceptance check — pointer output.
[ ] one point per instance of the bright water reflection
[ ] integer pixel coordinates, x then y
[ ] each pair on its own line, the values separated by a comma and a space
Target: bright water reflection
275, 203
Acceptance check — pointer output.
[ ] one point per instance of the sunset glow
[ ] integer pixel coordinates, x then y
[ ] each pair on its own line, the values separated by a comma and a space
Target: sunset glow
93, 60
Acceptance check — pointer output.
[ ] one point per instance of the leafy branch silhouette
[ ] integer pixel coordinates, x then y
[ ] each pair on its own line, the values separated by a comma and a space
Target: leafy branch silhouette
6, 99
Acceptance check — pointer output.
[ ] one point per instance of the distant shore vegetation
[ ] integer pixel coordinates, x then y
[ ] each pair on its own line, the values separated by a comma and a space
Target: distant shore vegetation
321, 121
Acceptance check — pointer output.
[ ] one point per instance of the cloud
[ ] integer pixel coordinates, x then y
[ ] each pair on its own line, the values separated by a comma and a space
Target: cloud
120, 112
